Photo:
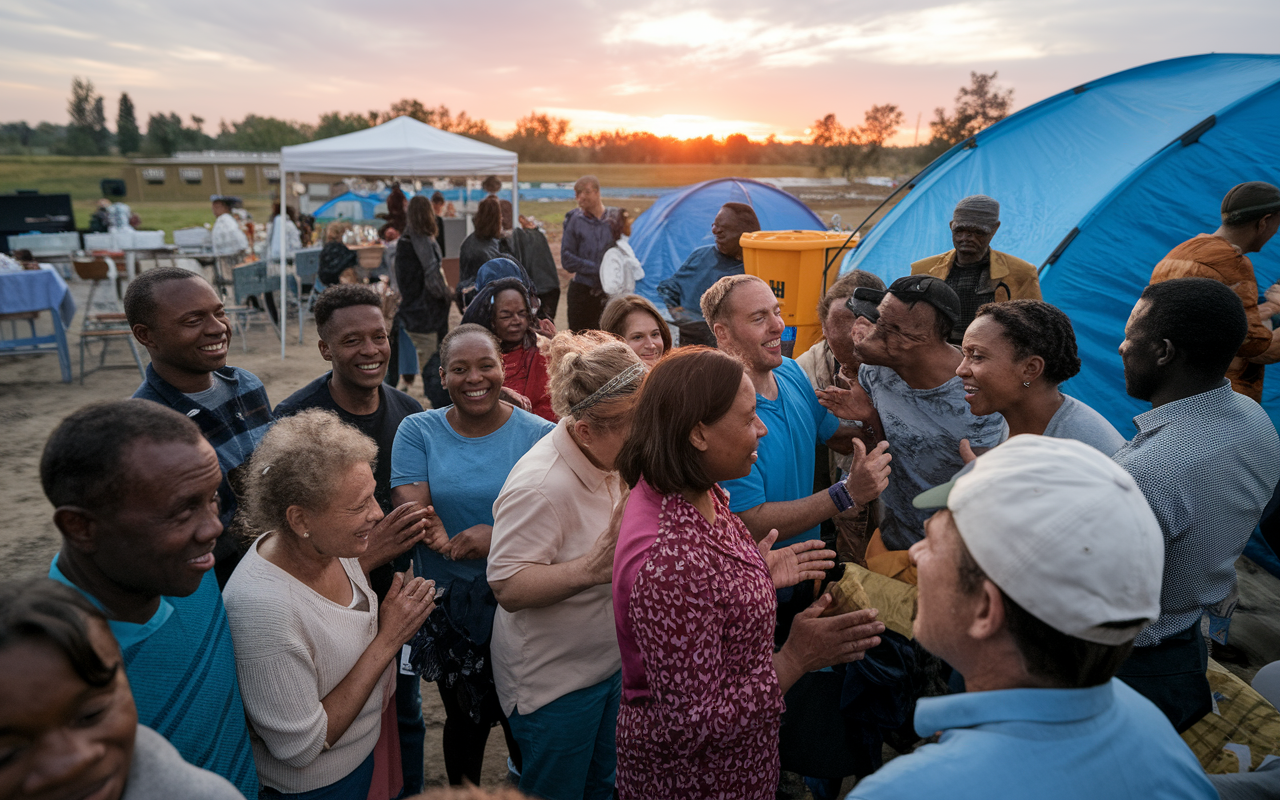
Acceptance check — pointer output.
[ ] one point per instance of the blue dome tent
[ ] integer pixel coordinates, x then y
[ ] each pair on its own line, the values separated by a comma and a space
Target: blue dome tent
1096, 185
681, 221
350, 205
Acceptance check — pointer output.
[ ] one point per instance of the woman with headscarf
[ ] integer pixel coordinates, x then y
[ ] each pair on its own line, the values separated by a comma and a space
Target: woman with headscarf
555, 652
424, 294
503, 307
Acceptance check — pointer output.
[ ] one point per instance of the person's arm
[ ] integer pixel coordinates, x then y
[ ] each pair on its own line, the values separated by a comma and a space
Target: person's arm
1272, 354
538, 585
816, 642
408, 603
406, 525
467, 544
868, 477
419, 492
570, 244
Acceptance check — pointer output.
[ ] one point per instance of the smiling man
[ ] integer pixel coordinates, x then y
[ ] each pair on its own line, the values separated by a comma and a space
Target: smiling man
704, 266
977, 273
134, 487
908, 394
1037, 573
179, 318
353, 337
778, 493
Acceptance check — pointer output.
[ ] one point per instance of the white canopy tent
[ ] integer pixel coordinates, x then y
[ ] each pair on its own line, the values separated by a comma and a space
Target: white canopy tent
402, 147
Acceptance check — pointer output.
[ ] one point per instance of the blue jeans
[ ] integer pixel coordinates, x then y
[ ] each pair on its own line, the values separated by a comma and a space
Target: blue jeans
568, 745
413, 731
353, 787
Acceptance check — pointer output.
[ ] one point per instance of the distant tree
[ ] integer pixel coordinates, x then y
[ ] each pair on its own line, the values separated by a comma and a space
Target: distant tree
979, 105
855, 147
261, 134
167, 135
336, 123
128, 138
738, 149
541, 137
438, 117
87, 135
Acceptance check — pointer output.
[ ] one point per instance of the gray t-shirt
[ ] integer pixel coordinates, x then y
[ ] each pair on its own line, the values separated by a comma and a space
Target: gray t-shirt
1075, 420
213, 397
159, 773
924, 428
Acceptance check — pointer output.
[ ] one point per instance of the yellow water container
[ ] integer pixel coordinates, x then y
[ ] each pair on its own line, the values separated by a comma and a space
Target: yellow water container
792, 263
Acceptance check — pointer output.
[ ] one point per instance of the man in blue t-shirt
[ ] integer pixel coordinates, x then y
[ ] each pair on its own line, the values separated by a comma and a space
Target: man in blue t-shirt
134, 487
683, 290
1041, 565
778, 494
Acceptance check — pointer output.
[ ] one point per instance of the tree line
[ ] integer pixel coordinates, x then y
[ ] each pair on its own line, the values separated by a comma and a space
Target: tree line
537, 137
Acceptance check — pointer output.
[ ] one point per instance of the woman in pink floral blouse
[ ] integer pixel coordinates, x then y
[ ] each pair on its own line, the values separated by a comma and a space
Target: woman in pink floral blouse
694, 596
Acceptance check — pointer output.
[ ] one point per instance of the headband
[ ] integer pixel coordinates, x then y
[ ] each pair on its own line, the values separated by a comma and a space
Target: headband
618, 382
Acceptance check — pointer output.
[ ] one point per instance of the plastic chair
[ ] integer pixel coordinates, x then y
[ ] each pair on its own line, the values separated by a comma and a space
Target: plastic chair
1267, 683
103, 326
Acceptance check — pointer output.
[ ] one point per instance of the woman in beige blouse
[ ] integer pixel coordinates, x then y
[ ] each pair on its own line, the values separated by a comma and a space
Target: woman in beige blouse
555, 652
314, 653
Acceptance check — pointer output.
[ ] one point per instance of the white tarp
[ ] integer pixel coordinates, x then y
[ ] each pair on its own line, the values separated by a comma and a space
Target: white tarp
403, 147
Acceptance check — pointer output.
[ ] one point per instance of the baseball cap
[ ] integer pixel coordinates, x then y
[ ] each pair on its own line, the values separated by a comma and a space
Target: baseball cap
914, 289
1063, 531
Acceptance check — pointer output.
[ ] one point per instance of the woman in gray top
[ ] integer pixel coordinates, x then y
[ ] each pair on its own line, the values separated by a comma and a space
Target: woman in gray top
1016, 354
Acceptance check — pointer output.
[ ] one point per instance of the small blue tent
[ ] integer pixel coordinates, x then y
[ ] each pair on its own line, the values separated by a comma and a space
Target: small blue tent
1096, 184
680, 222
351, 205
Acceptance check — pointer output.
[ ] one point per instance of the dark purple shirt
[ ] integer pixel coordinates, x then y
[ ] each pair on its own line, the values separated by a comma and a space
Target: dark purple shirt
584, 243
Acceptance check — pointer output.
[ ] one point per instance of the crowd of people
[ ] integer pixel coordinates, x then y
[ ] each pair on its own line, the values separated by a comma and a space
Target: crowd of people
641, 562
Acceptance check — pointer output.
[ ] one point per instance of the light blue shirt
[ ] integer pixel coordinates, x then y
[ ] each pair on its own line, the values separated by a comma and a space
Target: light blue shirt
784, 465
465, 476
1207, 465
1098, 743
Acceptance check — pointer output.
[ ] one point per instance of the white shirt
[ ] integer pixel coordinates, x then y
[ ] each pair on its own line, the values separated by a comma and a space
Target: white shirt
293, 239
228, 239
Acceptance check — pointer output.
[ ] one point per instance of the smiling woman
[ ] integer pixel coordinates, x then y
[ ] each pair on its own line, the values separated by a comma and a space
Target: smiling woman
314, 652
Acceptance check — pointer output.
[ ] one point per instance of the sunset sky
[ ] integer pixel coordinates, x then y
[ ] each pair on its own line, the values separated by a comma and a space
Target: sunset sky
682, 68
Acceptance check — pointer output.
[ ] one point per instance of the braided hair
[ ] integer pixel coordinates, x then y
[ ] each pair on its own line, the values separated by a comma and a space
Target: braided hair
1036, 328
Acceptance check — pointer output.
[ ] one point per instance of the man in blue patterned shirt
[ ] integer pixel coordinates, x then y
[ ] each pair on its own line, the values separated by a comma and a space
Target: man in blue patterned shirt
181, 321
1207, 459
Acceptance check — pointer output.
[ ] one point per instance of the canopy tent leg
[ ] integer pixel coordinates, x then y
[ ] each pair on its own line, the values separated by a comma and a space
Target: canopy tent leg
515, 197
282, 305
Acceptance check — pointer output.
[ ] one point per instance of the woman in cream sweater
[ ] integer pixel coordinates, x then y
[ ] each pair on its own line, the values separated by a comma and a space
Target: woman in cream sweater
314, 653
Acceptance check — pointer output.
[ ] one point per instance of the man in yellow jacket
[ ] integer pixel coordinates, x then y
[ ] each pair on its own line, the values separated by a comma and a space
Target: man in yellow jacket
978, 274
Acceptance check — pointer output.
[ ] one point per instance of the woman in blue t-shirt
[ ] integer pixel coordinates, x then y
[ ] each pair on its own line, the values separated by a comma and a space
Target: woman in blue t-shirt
456, 459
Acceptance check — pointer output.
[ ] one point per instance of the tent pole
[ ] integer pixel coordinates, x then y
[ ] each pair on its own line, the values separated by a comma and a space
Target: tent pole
282, 306
515, 197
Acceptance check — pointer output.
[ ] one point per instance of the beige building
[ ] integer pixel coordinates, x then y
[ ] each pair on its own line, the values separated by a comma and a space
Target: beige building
196, 176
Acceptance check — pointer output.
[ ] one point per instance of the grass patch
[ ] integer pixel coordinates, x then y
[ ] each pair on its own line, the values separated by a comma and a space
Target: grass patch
661, 174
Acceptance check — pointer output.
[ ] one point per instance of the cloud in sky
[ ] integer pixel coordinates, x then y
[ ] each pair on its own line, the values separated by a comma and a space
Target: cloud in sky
686, 67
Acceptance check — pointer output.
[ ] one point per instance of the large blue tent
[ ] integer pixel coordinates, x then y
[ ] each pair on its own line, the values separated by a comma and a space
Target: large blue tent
681, 221
1096, 184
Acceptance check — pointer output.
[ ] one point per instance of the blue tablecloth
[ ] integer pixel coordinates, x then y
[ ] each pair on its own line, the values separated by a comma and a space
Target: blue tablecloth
39, 290
36, 290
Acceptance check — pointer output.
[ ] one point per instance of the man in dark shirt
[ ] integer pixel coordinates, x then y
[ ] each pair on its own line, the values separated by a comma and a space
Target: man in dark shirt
976, 273
353, 337
588, 235
181, 321
704, 266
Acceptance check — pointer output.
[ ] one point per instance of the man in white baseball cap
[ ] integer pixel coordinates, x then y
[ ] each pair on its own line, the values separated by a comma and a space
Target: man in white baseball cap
1042, 564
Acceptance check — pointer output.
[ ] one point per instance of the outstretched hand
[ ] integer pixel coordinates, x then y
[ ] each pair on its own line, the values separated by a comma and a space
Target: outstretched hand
515, 398
852, 403
406, 525
816, 642
966, 452
803, 561
408, 603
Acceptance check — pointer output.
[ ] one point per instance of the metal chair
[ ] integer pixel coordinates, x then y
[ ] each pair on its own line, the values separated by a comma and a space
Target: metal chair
103, 326
247, 281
